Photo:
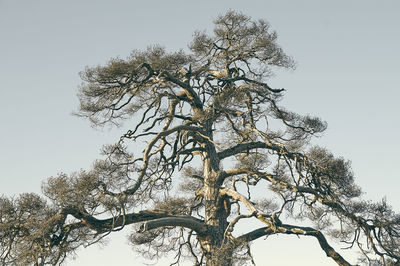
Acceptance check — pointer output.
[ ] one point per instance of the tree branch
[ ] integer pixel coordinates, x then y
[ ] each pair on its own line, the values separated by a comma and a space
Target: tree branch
188, 222
147, 155
255, 234
297, 230
309, 231
191, 93
241, 148
103, 225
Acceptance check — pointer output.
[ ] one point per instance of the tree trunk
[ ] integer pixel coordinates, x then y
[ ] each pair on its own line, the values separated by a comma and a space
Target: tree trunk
216, 213
217, 252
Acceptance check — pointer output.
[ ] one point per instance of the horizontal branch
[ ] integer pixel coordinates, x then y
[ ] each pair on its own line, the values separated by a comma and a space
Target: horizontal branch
244, 147
188, 222
262, 84
266, 144
255, 234
103, 225
240, 148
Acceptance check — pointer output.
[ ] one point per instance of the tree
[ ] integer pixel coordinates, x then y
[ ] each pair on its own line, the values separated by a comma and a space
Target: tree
218, 150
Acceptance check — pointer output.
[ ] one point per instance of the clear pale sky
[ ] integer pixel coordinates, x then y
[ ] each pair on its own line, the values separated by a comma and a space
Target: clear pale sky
348, 74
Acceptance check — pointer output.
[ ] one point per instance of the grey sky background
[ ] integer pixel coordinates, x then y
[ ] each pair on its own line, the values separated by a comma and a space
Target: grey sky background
348, 74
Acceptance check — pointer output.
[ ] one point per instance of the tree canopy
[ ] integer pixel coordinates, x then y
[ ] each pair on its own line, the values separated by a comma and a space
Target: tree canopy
209, 147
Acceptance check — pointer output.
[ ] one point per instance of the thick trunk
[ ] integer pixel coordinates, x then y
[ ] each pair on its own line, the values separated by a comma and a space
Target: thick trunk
222, 257
216, 214
216, 250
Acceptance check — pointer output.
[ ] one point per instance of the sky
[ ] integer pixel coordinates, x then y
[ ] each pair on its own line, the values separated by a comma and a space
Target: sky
347, 73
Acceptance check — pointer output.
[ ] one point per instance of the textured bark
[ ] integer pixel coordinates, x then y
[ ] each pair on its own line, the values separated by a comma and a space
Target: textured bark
216, 252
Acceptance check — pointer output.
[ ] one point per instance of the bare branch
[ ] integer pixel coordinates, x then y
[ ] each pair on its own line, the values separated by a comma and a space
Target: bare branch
187, 222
